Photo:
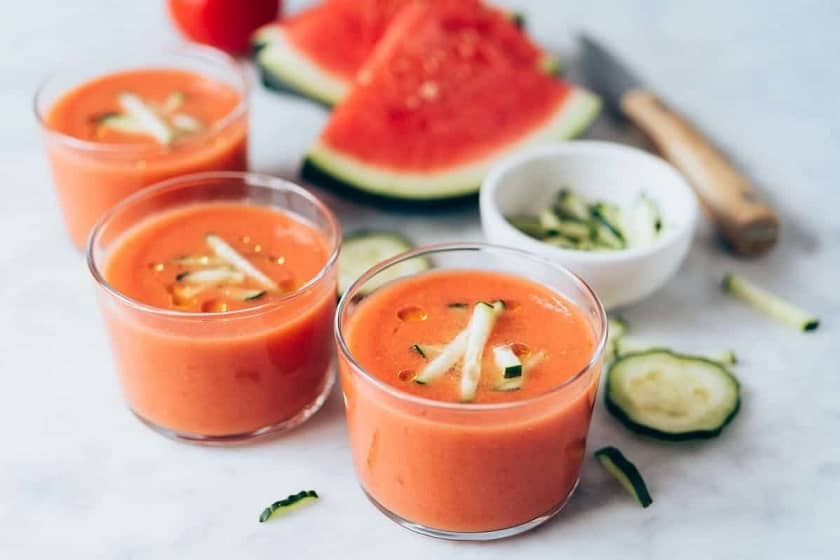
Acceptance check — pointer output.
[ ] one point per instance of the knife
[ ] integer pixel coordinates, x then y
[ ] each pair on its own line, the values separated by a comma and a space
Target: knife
744, 220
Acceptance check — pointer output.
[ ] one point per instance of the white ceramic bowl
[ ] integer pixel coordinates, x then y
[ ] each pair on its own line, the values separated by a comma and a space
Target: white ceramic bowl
528, 181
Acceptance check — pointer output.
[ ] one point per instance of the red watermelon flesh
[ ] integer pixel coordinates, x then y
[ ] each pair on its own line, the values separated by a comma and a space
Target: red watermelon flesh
451, 84
339, 35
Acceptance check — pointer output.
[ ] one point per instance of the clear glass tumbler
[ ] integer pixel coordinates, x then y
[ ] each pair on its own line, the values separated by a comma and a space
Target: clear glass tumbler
413, 455
90, 177
230, 376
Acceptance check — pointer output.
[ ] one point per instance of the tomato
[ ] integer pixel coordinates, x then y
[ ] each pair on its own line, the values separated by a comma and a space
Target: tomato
225, 24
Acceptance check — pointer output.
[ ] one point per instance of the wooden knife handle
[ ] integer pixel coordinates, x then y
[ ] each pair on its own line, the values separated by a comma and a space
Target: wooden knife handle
742, 218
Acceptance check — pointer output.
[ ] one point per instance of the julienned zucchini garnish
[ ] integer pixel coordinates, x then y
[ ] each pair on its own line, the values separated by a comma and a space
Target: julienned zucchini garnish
468, 346
146, 118
672, 396
288, 504
158, 121
428, 351
574, 223
458, 305
625, 473
222, 250
172, 102
199, 260
478, 331
211, 276
769, 303
244, 294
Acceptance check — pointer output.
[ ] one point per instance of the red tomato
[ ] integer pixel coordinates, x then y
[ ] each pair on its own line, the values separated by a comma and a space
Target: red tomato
225, 24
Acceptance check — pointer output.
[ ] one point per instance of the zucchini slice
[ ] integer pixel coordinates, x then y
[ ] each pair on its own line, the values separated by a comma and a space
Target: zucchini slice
211, 276
644, 222
616, 329
625, 473
185, 123
624, 346
478, 331
362, 250
571, 206
769, 303
199, 260
529, 225
244, 294
607, 218
672, 396
288, 504
549, 222
237, 261
120, 122
515, 383
507, 361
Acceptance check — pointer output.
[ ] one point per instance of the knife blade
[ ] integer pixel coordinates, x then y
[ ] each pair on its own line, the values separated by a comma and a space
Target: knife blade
742, 217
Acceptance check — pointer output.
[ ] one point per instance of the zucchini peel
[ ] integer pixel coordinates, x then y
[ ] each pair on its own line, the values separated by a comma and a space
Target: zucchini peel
288, 504
625, 473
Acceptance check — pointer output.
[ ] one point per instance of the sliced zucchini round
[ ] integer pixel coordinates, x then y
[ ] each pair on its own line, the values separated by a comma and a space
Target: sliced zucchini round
362, 250
672, 396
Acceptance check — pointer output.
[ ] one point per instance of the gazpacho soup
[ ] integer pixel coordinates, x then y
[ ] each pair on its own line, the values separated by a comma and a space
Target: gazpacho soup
220, 314
469, 395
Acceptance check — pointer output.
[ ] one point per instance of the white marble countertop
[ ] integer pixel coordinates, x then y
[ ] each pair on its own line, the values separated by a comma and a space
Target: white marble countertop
81, 478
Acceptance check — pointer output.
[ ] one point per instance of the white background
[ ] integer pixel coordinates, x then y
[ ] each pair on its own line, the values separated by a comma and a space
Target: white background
81, 478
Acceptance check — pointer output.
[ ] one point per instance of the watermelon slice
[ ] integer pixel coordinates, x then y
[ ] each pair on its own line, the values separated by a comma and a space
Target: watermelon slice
318, 51
451, 87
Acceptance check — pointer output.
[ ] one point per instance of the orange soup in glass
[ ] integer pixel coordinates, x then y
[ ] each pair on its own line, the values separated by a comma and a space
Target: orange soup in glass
219, 291
114, 129
469, 388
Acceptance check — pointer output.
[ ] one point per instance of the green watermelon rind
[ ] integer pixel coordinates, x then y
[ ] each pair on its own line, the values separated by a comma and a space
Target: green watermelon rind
285, 68
325, 166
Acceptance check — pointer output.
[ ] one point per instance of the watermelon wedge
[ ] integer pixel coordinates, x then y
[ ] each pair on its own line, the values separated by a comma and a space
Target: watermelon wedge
317, 52
450, 87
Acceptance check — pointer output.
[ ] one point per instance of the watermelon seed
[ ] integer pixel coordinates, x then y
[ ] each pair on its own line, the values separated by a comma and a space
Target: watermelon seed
429, 91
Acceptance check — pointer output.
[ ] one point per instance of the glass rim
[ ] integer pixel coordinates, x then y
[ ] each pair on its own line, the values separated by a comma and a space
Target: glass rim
188, 50
197, 181
431, 250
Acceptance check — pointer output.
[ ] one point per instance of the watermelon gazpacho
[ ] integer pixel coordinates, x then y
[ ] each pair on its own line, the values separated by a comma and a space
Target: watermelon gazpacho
450, 87
219, 309
469, 395
110, 135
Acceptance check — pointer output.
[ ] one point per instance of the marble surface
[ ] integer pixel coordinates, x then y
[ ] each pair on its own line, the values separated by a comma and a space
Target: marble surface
81, 478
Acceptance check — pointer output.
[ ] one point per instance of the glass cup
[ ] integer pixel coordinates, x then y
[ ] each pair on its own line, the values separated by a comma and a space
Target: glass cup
417, 459
231, 376
90, 177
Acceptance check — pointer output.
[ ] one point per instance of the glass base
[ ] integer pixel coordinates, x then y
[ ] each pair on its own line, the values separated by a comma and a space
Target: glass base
247, 437
478, 536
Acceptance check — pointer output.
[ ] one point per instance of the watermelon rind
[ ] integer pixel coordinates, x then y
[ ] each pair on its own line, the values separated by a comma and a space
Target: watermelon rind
327, 166
285, 68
